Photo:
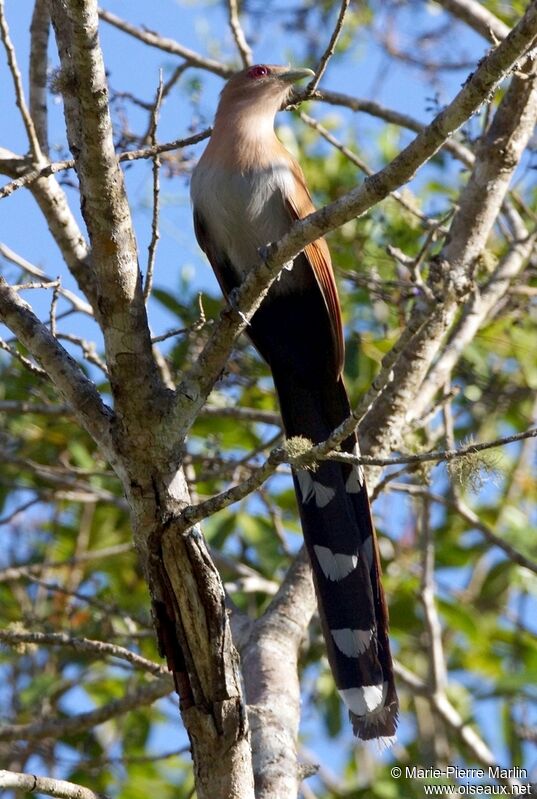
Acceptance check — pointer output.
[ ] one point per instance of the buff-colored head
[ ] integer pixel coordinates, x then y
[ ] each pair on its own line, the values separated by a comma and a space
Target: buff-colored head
263, 86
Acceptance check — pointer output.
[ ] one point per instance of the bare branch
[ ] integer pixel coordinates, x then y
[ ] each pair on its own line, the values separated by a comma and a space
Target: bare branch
73, 385
424, 457
21, 406
325, 451
26, 362
478, 17
19, 91
31, 783
238, 33
438, 675
441, 705
466, 513
330, 50
20, 509
39, 31
145, 694
270, 673
353, 158
167, 45
374, 109
13, 573
30, 177
89, 350
14, 637
155, 235
476, 311
243, 414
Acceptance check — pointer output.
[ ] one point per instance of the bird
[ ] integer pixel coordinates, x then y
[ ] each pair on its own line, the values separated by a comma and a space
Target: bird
247, 190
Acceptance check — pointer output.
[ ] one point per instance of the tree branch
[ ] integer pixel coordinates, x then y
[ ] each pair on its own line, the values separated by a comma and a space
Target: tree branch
456, 148
31, 783
14, 637
38, 72
329, 51
473, 519
243, 47
145, 694
451, 275
477, 17
167, 45
122, 314
270, 670
72, 384
17, 82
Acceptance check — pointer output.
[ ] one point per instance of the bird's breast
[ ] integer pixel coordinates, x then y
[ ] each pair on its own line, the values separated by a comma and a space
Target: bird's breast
243, 210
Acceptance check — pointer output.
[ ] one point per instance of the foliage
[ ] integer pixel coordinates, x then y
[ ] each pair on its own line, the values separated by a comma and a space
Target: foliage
67, 562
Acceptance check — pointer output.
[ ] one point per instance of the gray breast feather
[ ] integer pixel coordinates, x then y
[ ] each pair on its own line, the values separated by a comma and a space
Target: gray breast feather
242, 211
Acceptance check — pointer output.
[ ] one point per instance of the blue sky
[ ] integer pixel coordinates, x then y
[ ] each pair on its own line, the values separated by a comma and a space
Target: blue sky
131, 67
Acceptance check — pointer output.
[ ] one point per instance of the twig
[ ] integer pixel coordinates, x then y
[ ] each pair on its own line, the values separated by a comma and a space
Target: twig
48, 284
36, 370
477, 17
243, 414
39, 30
193, 328
53, 306
19, 91
20, 509
466, 513
330, 49
324, 451
441, 705
396, 195
155, 235
99, 762
374, 109
73, 385
194, 513
13, 573
104, 607
238, 33
166, 89
31, 783
131, 155
21, 406
437, 675
89, 350
424, 457
14, 637
168, 45
144, 695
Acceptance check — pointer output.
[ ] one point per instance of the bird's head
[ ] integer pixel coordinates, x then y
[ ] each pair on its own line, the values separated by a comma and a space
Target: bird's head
263, 87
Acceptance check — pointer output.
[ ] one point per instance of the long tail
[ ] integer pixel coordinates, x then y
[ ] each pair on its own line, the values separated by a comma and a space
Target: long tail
343, 550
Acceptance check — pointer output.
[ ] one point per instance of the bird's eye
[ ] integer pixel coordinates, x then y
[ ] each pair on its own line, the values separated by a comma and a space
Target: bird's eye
259, 72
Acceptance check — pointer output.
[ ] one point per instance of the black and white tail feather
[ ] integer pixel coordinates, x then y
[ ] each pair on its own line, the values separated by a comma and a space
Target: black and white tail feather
334, 505
342, 546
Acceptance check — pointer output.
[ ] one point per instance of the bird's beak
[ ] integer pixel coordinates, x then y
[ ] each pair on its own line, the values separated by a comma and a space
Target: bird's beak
292, 75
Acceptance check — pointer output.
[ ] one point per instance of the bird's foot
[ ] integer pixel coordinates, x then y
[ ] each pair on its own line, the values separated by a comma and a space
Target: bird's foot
233, 300
264, 252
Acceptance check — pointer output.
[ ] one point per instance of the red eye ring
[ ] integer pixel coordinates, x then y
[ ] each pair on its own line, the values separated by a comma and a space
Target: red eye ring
260, 71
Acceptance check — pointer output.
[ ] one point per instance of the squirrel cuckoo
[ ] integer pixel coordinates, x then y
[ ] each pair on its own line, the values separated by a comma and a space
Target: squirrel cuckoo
247, 190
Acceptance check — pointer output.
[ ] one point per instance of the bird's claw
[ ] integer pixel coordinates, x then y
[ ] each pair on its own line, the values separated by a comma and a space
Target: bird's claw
233, 300
264, 252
